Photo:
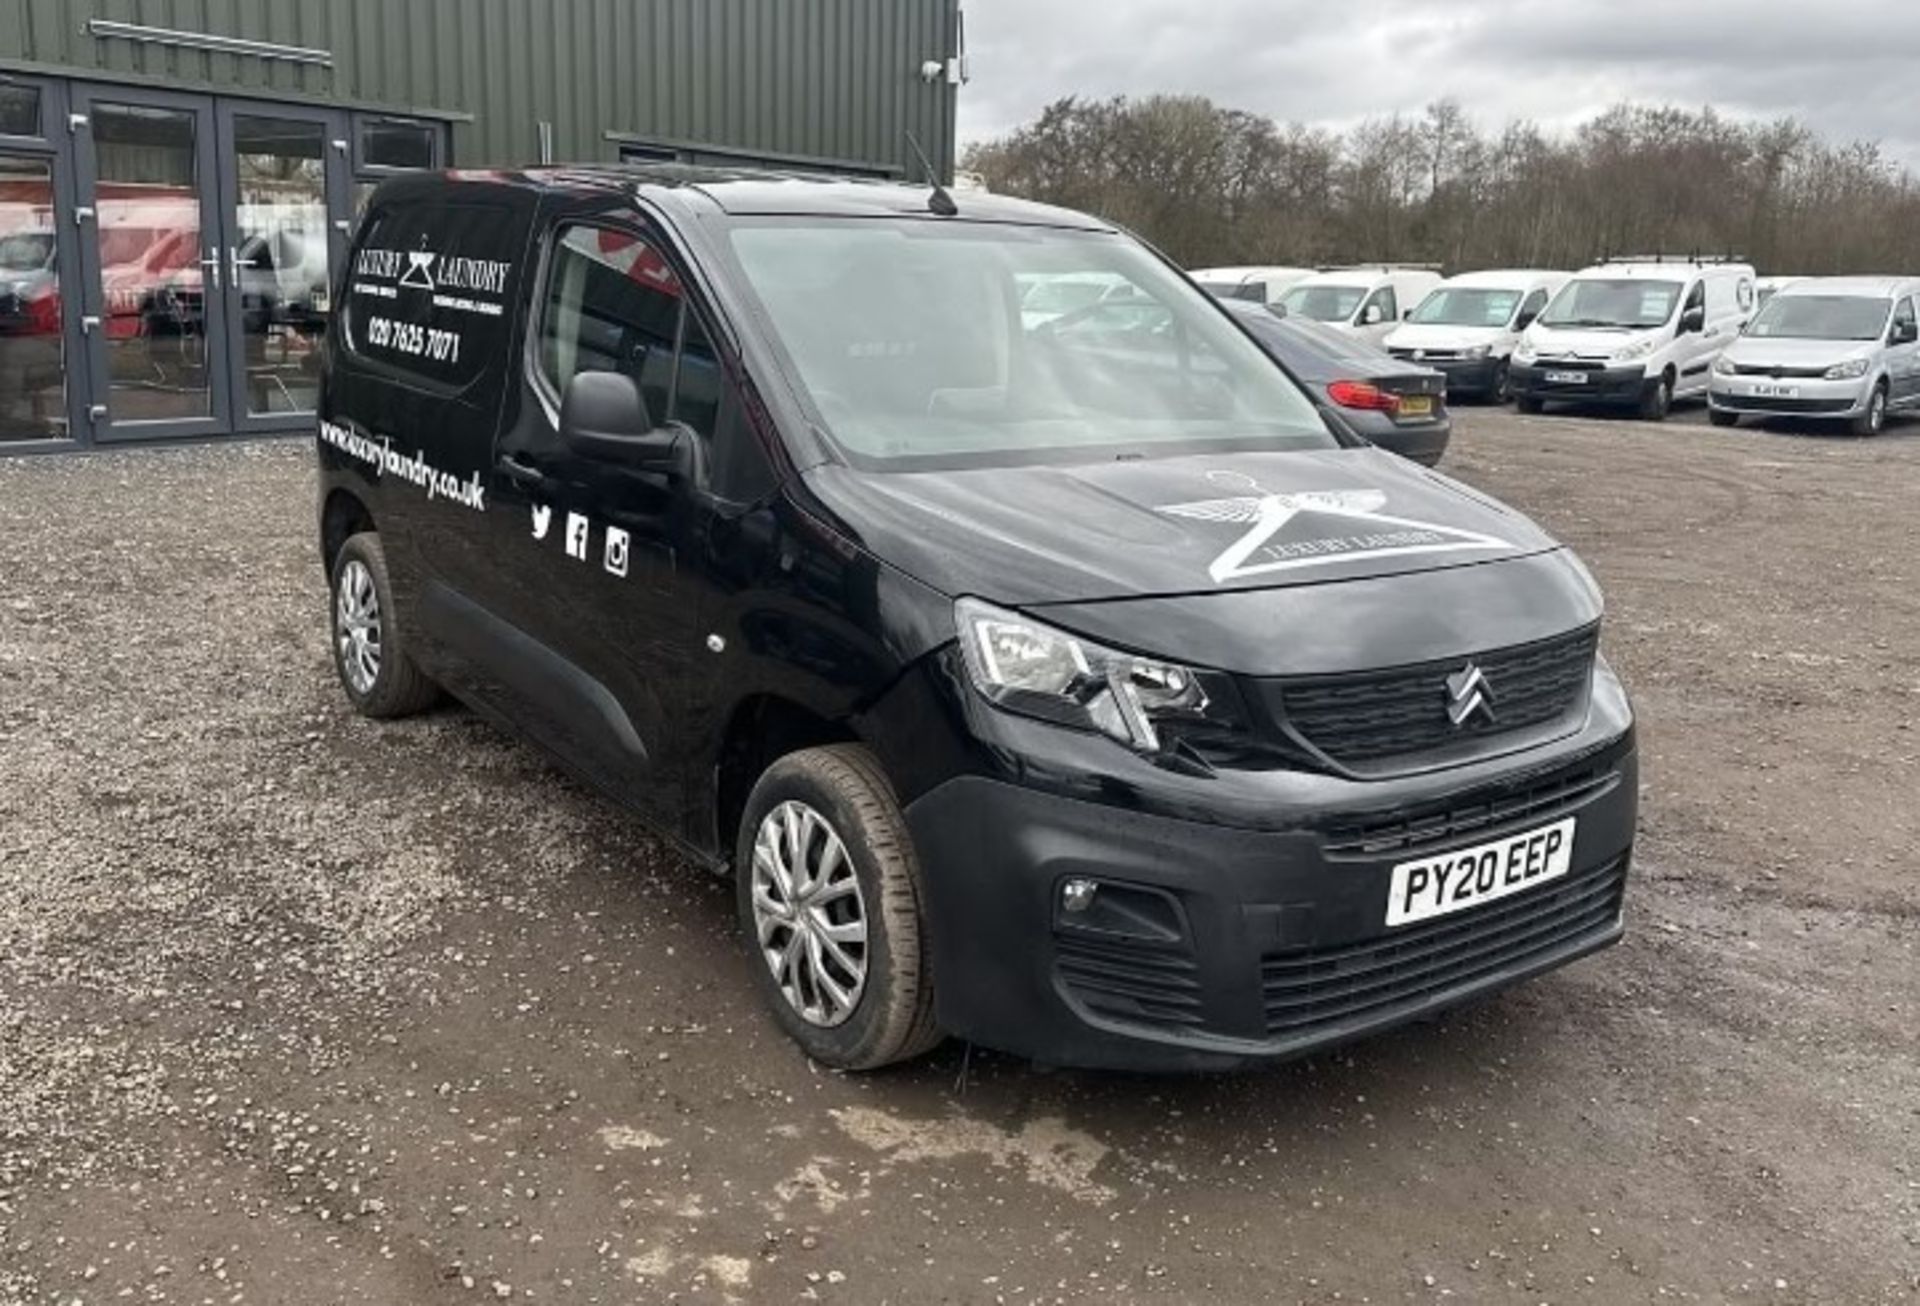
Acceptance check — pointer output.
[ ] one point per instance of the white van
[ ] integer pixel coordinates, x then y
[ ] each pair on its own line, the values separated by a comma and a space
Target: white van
1467, 327
1845, 348
1258, 285
1640, 332
1366, 301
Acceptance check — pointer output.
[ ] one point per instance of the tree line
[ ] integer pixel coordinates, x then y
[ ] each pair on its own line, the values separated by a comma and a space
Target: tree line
1212, 186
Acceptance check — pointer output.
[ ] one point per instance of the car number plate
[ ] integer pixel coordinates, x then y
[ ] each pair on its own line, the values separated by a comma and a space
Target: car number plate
1416, 405
1468, 877
1567, 378
1777, 391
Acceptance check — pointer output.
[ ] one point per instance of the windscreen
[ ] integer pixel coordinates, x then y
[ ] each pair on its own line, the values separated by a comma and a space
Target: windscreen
919, 345
1324, 303
1459, 306
1822, 317
1625, 304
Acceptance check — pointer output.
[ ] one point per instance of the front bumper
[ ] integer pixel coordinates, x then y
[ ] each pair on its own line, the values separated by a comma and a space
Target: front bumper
1211, 946
1465, 375
1595, 385
1759, 396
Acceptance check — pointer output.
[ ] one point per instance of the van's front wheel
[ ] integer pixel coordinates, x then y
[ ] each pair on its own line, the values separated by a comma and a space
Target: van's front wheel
831, 904
1656, 403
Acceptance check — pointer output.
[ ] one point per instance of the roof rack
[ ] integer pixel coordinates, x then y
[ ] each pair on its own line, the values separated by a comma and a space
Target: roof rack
1698, 260
1381, 267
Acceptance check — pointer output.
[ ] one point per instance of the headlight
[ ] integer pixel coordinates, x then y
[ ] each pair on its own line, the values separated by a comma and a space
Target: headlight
1723, 366
1524, 352
1847, 371
1477, 352
1638, 349
1024, 666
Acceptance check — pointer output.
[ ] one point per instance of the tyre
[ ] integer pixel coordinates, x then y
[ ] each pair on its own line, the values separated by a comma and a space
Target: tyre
1530, 405
1656, 403
1500, 388
1720, 417
1874, 419
833, 911
370, 650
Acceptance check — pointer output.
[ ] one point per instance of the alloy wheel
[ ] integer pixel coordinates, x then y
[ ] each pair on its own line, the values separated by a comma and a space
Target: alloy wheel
809, 915
357, 627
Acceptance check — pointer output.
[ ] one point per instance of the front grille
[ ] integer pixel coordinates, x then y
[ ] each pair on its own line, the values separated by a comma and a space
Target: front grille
1778, 404
1572, 364
1427, 355
1768, 369
1371, 718
1129, 980
1307, 990
1479, 815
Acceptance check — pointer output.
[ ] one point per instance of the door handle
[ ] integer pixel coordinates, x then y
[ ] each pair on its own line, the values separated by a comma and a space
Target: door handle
523, 474
88, 323
210, 265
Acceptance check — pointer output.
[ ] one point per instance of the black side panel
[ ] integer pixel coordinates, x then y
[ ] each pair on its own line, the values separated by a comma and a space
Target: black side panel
547, 694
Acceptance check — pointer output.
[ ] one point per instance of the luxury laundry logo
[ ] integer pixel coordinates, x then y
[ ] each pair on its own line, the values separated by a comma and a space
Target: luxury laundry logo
1316, 528
419, 273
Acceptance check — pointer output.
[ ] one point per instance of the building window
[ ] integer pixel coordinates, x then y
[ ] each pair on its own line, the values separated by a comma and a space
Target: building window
19, 109
385, 143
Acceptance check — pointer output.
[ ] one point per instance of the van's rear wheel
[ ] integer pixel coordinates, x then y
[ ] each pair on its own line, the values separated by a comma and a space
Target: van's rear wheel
831, 903
370, 649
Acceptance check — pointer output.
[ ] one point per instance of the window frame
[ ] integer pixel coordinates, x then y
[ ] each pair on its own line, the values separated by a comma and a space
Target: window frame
552, 242
53, 114
1522, 312
1390, 309
375, 172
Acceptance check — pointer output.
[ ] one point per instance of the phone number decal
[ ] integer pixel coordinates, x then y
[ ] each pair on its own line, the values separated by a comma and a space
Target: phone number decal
414, 340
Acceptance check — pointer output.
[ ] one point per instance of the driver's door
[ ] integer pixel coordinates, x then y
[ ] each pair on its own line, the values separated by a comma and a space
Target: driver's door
595, 555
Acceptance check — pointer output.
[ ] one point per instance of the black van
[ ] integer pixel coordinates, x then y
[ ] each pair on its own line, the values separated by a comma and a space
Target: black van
1063, 681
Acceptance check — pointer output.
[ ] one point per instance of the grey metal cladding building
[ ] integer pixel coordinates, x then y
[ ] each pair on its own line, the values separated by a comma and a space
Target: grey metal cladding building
177, 177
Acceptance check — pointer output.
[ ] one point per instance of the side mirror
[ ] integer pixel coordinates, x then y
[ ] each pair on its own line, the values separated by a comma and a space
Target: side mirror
1905, 333
1694, 319
1524, 321
603, 416
1372, 315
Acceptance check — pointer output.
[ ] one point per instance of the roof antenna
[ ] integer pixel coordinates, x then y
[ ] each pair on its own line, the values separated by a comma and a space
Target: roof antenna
939, 202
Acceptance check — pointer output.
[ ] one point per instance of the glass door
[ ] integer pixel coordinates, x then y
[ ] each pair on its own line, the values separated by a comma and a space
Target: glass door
153, 308
33, 366
283, 203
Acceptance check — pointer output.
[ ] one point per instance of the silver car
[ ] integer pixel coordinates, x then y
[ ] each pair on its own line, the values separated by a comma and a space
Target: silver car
1833, 348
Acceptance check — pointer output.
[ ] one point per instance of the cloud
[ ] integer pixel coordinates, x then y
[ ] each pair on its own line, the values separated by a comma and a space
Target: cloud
1845, 67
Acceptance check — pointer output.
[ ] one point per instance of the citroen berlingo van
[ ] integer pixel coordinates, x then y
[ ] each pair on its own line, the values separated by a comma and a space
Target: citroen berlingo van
1079, 688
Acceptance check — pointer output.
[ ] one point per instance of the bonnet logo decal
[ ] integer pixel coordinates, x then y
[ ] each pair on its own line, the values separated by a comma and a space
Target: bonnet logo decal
1315, 528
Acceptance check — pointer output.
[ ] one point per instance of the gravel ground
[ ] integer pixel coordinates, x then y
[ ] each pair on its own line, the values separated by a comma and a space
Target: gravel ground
298, 1008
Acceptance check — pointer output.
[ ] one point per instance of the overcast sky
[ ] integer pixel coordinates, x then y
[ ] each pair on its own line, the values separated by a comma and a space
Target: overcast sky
1850, 68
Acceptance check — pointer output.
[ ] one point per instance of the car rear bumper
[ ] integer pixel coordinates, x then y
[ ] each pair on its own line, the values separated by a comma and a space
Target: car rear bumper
1422, 442
1605, 385
1208, 946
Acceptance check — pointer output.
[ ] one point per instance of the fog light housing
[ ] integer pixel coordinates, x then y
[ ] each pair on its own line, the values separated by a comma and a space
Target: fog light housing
1076, 895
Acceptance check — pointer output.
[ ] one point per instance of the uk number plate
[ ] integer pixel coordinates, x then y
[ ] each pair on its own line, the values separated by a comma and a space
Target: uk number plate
1567, 378
1416, 406
1777, 391
1468, 877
